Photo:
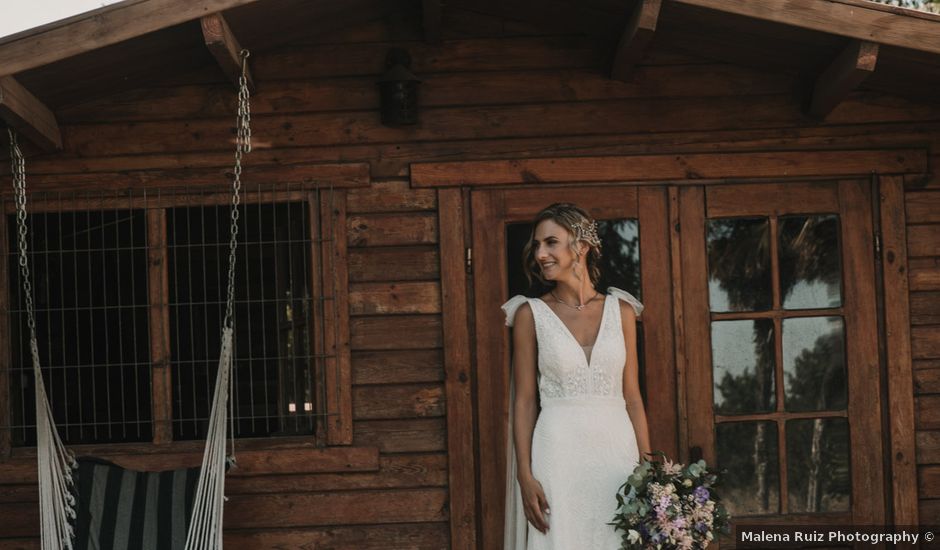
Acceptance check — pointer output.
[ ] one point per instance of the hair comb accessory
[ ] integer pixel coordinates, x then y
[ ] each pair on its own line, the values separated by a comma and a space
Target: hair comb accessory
586, 230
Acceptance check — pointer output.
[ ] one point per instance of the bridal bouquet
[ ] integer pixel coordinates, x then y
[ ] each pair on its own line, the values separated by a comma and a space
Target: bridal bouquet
664, 505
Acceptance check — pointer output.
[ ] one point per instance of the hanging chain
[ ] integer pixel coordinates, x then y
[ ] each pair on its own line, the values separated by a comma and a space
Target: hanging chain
18, 165
242, 146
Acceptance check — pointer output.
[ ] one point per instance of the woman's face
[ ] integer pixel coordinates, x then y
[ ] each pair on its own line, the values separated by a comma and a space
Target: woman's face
552, 250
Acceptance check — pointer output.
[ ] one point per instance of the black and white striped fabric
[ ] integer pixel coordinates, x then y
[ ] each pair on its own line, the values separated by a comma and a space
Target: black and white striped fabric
118, 509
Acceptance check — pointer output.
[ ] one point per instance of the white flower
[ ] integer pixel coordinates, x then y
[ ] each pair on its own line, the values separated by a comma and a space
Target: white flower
633, 536
687, 483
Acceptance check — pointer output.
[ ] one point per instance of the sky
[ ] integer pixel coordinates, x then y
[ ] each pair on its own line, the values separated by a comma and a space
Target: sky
19, 15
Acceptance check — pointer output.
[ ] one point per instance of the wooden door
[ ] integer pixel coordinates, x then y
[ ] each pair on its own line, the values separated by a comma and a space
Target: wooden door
780, 332
634, 229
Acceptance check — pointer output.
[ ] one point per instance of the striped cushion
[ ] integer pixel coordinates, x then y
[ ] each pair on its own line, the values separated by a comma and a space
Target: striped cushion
120, 509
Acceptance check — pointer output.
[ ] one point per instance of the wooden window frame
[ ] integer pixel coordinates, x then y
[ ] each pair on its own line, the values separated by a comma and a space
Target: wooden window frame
327, 215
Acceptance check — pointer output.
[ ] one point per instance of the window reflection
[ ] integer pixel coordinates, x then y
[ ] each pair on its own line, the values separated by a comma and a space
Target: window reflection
738, 264
743, 366
814, 364
810, 267
748, 451
818, 476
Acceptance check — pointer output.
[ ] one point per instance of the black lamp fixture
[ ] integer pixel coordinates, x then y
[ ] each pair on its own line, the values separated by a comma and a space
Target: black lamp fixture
398, 89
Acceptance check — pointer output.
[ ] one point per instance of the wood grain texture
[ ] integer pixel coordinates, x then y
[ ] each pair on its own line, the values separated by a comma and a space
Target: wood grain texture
668, 167
225, 48
636, 38
854, 21
898, 345
848, 70
158, 285
452, 219
103, 28
23, 112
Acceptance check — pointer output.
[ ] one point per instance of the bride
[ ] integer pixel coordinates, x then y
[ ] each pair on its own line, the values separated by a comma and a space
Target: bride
577, 421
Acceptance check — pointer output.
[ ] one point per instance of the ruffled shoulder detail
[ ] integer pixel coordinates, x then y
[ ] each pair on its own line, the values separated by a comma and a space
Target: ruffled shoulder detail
511, 306
628, 298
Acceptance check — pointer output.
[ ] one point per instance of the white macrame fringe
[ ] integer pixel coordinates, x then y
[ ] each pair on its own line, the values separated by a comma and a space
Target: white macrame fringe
56, 502
205, 525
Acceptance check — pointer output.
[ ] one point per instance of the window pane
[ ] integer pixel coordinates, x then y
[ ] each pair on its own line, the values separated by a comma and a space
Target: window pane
738, 264
810, 266
274, 382
748, 450
743, 366
89, 277
814, 364
818, 477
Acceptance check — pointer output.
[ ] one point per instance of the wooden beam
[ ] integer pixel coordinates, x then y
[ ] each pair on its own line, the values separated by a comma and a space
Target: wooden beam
846, 72
225, 48
692, 168
636, 38
855, 20
122, 21
27, 115
898, 341
431, 14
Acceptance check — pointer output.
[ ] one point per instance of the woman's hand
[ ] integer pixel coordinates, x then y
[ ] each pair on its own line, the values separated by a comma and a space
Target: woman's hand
534, 503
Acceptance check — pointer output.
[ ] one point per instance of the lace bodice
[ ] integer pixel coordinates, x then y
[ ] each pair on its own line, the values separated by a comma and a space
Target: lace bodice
565, 370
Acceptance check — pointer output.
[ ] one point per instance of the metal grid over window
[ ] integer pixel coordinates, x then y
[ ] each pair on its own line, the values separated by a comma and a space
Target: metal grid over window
130, 297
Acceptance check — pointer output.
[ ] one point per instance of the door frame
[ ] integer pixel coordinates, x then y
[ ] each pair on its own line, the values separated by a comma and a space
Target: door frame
454, 180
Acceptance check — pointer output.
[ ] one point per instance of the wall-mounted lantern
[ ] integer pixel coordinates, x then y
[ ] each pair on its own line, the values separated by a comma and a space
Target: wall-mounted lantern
398, 88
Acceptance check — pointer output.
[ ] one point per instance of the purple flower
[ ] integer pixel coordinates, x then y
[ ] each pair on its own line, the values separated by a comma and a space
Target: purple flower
701, 494
701, 527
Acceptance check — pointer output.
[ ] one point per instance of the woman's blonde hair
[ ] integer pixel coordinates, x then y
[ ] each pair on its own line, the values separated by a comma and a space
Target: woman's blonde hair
580, 227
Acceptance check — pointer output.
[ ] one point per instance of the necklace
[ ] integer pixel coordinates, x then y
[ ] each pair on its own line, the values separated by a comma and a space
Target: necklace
578, 307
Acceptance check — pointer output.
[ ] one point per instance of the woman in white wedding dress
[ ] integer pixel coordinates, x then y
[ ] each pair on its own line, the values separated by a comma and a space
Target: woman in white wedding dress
577, 420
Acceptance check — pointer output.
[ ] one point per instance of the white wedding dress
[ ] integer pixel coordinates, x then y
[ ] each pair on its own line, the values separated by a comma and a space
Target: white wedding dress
583, 444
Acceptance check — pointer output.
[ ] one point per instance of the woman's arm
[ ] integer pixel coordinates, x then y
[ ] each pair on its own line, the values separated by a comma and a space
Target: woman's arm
525, 413
631, 381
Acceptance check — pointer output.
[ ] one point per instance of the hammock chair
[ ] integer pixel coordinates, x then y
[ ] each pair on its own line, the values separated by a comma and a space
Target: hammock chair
93, 504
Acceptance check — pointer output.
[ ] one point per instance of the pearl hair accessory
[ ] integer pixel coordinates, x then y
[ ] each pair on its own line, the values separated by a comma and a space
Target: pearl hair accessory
586, 230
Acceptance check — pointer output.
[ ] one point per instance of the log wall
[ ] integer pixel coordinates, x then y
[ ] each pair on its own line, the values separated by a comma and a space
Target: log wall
492, 89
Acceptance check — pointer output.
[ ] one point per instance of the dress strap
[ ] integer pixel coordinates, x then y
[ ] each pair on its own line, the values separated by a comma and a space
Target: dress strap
626, 297
511, 306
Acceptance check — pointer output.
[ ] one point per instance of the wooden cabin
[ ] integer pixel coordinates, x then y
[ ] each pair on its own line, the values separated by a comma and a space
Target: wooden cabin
765, 177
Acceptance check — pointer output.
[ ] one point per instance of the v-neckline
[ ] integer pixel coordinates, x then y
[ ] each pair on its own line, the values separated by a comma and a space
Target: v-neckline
597, 337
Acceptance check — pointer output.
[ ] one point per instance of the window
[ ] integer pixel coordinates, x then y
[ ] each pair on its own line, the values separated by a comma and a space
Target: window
130, 295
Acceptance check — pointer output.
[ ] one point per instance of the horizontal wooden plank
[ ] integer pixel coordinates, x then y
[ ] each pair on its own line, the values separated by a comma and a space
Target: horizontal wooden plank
291, 510
26, 114
415, 536
928, 447
923, 240
925, 342
390, 196
418, 435
483, 54
621, 203
297, 175
391, 229
395, 332
771, 199
398, 297
922, 206
929, 511
448, 89
925, 308
395, 471
298, 460
927, 381
401, 263
924, 273
484, 122
393, 159
669, 167
927, 412
397, 367
398, 401
928, 482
